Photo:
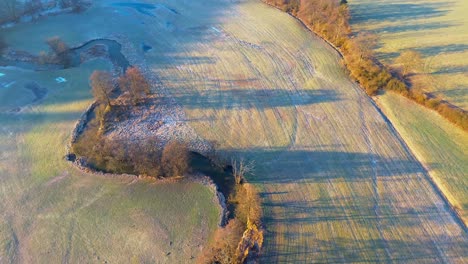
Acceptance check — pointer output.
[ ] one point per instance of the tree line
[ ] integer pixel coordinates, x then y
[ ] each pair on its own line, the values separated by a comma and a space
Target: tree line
330, 20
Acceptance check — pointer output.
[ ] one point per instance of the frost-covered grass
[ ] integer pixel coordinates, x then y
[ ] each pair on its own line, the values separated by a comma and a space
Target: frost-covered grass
336, 183
438, 29
51, 212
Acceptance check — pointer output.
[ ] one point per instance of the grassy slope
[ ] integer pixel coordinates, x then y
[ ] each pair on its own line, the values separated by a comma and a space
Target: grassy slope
437, 143
337, 184
437, 28
50, 212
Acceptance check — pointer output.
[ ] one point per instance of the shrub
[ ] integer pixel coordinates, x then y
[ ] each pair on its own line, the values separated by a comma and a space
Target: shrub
242, 238
395, 85
175, 159
224, 246
60, 50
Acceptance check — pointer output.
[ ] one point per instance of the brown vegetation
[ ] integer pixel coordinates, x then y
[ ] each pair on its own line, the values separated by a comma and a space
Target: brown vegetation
135, 84
330, 20
101, 86
242, 238
175, 159
59, 50
141, 157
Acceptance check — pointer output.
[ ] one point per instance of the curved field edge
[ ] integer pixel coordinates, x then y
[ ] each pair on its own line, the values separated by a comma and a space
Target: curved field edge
52, 212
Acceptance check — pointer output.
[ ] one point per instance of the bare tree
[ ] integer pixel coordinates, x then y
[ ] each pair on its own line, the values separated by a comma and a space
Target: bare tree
101, 86
410, 61
240, 168
135, 84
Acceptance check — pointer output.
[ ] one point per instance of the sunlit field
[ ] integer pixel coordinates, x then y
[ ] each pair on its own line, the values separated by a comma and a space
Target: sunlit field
337, 184
438, 29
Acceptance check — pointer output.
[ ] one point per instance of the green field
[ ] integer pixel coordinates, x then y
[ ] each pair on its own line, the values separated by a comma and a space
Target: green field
436, 28
52, 213
435, 142
336, 182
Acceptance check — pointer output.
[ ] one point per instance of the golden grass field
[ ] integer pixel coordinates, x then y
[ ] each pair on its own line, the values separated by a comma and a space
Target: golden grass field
438, 29
337, 183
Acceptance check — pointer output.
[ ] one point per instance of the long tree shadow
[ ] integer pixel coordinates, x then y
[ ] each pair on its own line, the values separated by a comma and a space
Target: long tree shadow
343, 250
384, 11
323, 166
247, 98
378, 211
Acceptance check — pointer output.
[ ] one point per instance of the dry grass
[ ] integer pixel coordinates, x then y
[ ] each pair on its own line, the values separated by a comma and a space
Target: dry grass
337, 184
436, 28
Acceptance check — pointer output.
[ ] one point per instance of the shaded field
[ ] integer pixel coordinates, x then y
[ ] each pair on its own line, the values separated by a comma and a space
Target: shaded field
337, 184
436, 28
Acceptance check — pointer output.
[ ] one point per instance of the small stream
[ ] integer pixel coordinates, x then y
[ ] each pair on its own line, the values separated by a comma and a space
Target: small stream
113, 50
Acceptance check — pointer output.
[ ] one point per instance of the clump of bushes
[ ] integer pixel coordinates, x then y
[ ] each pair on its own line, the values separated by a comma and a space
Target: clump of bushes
134, 84
144, 157
59, 53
